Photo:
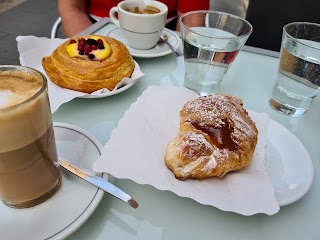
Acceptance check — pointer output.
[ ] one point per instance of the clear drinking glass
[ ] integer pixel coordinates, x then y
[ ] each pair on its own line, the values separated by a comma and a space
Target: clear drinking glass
211, 41
28, 173
298, 80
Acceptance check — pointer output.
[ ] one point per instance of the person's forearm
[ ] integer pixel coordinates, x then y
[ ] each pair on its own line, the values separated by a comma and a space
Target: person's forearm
197, 20
74, 16
178, 21
75, 23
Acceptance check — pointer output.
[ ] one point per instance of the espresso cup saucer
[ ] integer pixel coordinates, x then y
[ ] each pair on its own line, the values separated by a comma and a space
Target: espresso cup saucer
71, 205
161, 49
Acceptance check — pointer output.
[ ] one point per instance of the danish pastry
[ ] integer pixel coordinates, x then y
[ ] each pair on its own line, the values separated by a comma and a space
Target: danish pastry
216, 136
89, 63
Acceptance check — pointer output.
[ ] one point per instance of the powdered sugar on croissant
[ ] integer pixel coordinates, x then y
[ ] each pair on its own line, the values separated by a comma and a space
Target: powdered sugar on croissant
216, 136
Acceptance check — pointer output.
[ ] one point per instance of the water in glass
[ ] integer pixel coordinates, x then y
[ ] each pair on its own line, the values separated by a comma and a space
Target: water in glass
208, 59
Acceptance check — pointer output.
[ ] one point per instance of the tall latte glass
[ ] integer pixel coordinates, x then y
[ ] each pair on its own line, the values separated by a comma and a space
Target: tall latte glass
28, 173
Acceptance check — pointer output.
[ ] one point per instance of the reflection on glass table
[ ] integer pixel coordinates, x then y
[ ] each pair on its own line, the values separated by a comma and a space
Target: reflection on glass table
164, 215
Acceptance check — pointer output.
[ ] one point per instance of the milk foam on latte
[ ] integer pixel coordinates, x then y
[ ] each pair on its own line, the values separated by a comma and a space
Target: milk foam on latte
16, 87
5, 98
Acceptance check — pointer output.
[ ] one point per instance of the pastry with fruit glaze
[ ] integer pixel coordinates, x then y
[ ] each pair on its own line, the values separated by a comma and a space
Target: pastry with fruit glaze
216, 136
89, 63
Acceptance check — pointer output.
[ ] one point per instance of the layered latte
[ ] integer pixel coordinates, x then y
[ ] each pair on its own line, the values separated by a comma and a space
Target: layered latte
28, 174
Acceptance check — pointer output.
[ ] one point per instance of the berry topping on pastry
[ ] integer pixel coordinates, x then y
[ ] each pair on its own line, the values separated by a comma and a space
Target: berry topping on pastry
93, 48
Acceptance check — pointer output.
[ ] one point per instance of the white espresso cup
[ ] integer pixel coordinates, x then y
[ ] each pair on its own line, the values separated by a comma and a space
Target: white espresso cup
141, 30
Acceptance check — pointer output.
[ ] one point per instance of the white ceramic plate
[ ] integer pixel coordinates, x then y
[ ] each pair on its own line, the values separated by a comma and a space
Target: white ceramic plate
119, 90
111, 93
71, 206
288, 164
159, 50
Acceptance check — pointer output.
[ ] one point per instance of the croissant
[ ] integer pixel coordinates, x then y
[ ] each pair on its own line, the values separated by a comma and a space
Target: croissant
89, 63
216, 136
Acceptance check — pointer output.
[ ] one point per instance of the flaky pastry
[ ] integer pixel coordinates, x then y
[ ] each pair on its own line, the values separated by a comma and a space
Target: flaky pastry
216, 136
89, 63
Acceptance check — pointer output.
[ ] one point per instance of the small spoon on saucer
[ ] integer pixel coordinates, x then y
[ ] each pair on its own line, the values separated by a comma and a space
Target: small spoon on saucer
164, 39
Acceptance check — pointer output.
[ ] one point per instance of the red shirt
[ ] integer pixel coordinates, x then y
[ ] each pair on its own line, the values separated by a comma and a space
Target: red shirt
101, 8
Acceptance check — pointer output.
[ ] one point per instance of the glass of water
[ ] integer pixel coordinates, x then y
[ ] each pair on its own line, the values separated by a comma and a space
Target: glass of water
298, 81
211, 41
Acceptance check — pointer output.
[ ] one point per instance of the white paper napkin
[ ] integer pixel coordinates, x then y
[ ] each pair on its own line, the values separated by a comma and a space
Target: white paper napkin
33, 49
137, 147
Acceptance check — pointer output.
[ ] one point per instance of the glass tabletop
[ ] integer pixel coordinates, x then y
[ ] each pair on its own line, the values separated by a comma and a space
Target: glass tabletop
164, 215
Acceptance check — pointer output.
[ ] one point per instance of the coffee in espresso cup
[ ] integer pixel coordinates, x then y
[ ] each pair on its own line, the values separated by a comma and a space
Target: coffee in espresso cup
141, 23
146, 10
28, 171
